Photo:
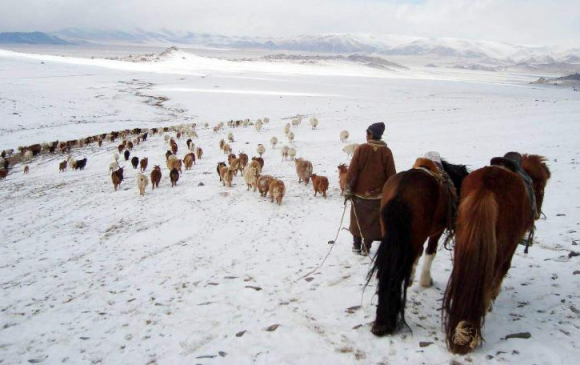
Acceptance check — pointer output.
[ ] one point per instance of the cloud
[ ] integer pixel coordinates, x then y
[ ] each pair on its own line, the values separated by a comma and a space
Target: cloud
516, 21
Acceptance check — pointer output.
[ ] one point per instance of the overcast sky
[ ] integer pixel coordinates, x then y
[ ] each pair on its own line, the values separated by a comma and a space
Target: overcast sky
537, 22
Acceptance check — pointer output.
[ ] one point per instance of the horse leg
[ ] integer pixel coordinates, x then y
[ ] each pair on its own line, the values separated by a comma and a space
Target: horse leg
426, 280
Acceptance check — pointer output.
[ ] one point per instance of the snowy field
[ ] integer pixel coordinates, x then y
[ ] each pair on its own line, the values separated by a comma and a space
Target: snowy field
205, 274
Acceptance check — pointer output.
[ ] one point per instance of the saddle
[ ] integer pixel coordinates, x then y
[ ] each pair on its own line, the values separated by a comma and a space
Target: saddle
513, 162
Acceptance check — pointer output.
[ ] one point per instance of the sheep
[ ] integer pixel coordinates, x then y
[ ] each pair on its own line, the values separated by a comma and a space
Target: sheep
193, 134
292, 153
349, 149
113, 166
273, 142
230, 137
320, 184
258, 126
287, 128
155, 177
251, 176
72, 163
296, 122
290, 136
314, 122
264, 184
143, 163
174, 176
62, 166
174, 163
199, 152
116, 156
277, 191
28, 155
260, 149
135, 162
303, 170
117, 177
166, 138
189, 160
344, 136
266, 120
256, 165
26, 169
284, 152
142, 182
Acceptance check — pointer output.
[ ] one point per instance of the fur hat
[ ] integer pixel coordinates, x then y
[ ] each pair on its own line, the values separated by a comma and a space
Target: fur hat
376, 130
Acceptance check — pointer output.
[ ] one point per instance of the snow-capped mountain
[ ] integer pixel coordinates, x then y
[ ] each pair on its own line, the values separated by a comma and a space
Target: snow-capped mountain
389, 45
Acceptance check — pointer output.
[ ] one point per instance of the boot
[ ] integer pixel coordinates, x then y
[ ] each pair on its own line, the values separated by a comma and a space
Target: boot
367, 247
357, 241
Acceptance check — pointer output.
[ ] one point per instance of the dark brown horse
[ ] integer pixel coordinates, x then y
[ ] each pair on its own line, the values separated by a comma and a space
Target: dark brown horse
494, 214
416, 204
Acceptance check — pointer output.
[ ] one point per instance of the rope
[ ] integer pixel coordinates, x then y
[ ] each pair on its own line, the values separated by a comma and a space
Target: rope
331, 247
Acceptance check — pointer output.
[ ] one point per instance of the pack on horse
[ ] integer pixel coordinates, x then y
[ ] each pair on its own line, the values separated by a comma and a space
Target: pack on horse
497, 208
416, 204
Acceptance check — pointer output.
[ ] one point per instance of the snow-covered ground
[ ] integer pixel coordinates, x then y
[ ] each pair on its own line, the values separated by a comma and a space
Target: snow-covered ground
200, 273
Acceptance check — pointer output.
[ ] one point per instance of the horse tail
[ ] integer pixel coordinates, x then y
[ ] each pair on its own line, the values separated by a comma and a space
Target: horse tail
469, 290
393, 264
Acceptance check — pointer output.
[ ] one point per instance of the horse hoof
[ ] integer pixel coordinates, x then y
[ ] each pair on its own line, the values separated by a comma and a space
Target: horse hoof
379, 330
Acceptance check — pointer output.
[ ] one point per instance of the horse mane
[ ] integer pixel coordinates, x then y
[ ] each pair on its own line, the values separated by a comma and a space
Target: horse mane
456, 173
536, 167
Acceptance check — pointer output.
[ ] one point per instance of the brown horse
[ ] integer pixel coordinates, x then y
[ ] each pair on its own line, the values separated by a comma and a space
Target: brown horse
494, 214
416, 204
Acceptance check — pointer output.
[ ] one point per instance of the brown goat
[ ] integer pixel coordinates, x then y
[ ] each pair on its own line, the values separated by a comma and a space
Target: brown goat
320, 184
277, 190
174, 148
174, 176
155, 177
260, 160
143, 163
264, 184
189, 160
26, 169
121, 147
62, 166
219, 167
117, 177
342, 172
199, 152
226, 175
243, 160
303, 170
3, 174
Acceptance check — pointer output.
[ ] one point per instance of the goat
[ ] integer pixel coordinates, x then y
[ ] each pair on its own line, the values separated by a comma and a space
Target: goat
127, 154
142, 182
251, 176
155, 177
320, 184
264, 184
117, 177
174, 176
189, 160
303, 170
135, 162
219, 166
26, 169
80, 164
62, 166
342, 172
277, 191
143, 163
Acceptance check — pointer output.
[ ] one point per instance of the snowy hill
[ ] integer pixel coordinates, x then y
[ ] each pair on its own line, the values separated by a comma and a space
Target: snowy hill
30, 38
343, 43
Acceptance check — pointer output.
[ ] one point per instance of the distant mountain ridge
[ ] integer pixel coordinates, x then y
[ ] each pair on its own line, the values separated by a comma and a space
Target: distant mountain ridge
30, 38
490, 53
